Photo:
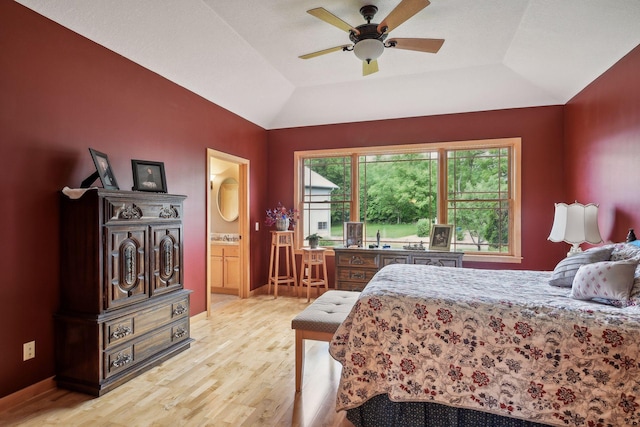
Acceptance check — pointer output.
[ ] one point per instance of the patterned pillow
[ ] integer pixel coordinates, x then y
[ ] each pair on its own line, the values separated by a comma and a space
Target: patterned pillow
609, 280
566, 269
623, 251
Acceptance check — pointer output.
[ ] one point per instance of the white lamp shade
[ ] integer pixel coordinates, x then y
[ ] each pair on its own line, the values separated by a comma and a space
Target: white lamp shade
575, 224
368, 49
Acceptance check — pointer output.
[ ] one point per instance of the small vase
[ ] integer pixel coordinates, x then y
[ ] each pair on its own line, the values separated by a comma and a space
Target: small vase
282, 224
631, 236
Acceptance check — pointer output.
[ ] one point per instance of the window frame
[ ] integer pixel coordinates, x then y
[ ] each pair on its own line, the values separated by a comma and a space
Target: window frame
515, 178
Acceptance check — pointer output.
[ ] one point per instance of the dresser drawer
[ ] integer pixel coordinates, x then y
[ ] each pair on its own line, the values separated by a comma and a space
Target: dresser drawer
129, 327
439, 260
121, 207
125, 357
225, 250
362, 275
357, 259
388, 259
232, 251
350, 286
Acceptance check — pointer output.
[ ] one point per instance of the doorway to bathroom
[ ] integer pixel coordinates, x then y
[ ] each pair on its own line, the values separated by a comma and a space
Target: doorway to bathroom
227, 226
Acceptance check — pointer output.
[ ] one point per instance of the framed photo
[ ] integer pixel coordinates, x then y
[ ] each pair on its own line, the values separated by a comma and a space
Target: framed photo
353, 234
148, 176
441, 237
103, 171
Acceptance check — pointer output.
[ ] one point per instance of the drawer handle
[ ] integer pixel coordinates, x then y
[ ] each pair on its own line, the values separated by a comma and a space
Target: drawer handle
357, 275
180, 309
129, 212
121, 332
434, 262
121, 360
356, 260
179, 333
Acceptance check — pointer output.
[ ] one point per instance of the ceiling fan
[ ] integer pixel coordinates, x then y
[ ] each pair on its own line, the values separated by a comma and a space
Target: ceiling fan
369, 40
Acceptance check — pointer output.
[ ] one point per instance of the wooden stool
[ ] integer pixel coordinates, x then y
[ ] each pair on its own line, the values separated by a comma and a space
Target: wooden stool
282, 239
313, 258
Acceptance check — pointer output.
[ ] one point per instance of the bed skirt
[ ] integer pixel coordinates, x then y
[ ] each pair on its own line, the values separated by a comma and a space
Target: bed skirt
382, 412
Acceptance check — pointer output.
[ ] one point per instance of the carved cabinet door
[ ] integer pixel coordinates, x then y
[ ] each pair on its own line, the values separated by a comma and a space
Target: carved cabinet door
217, 268
166, 263
125, 257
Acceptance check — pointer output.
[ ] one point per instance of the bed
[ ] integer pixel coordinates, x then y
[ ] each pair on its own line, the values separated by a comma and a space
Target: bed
435, 346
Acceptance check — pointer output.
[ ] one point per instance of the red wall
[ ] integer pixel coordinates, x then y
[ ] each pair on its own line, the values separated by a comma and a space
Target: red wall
541, 130
60, 94
603, 146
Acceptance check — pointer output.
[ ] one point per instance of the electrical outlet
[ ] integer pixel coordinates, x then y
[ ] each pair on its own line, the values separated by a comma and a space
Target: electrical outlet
28, 350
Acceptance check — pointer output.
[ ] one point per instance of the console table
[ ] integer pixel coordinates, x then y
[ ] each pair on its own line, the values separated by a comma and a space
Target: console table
355, 267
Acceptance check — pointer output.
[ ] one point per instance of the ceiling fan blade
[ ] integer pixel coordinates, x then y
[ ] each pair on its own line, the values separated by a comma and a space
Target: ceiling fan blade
369, 68
330, 18
403, 11
323, 52
421, 45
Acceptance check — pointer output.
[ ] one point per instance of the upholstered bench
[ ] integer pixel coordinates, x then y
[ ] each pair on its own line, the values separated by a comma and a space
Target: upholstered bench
319, 321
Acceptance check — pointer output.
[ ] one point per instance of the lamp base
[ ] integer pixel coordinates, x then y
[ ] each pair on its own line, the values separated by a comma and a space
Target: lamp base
575, 249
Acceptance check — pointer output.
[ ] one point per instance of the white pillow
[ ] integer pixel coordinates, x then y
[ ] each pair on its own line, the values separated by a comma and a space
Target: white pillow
611, 280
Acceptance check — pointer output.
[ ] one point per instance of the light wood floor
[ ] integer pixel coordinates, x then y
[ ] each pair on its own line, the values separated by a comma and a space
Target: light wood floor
239, 372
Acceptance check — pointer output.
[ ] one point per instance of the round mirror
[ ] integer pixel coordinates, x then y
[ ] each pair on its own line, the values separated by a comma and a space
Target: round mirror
228, 199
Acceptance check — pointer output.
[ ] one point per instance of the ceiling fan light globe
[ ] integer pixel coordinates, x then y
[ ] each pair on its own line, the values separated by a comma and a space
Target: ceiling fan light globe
368, 49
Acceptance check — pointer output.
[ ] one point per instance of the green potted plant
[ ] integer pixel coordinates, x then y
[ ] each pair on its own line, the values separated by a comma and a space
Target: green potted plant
313, 240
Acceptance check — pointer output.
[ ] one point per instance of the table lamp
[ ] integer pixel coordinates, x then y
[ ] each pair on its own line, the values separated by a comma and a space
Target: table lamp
575, 224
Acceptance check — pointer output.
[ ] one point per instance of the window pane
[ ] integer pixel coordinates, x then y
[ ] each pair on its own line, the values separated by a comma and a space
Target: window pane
326, 198
478, 199
397, 193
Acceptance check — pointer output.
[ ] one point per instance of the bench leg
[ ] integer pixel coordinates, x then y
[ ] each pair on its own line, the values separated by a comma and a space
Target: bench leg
301, 335
299, 359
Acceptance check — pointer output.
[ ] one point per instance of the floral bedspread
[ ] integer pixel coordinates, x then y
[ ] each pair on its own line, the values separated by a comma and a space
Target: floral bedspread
502, 341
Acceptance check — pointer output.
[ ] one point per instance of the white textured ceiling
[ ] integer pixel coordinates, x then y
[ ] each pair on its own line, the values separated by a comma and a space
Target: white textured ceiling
243, 54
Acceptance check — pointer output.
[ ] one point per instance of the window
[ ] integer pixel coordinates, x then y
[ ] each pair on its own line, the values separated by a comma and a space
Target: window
326, 197
478, 199
400, 192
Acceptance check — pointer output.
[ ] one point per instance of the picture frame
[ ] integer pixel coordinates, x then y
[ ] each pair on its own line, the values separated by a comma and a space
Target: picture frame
148, 176
441, 237
353, 234
103, 171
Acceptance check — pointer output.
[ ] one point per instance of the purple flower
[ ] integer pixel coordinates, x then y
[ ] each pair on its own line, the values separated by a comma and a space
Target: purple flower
280, 212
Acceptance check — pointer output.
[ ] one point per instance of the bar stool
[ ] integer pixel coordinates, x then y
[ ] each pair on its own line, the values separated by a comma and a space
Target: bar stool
279, 240
312, 260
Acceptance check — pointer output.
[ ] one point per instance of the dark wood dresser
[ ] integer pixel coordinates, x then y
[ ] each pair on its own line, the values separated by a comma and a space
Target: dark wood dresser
123, 308
355, 267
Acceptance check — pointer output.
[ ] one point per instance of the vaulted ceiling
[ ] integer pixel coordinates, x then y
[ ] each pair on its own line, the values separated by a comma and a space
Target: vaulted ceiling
243, 54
